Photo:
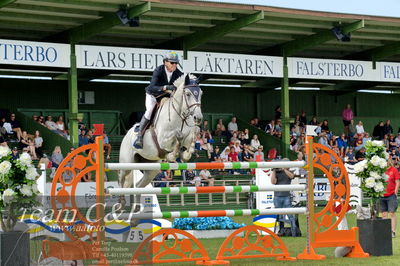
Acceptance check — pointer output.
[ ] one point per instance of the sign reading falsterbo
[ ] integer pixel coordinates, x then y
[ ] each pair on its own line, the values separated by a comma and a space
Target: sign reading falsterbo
15, 52
102, 57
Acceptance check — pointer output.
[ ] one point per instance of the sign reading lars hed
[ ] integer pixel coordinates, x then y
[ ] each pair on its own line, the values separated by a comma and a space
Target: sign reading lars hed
34, 53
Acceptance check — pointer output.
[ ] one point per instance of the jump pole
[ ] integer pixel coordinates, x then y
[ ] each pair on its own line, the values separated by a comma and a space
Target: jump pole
200, 190
192, 166
209, 213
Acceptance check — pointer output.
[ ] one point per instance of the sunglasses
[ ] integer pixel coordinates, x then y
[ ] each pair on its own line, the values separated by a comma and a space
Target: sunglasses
173, 63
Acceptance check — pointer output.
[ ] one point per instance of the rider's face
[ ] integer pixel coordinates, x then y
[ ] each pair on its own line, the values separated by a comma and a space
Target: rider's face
171, 67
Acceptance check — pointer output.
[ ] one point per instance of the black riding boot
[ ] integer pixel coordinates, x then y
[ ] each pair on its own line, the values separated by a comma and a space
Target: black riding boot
139, 139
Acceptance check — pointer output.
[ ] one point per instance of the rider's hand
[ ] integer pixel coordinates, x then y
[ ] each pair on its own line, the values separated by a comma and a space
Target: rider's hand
168, 91
170, 88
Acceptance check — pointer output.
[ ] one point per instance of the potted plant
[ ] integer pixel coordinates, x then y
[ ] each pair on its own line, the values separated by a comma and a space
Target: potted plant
18, 192
375, 233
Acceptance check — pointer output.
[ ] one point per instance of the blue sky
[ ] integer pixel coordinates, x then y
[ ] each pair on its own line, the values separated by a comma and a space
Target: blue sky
389, 8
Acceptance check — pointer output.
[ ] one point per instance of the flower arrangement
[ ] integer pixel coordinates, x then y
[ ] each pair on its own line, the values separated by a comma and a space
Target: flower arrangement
18, 187
205, 223
371, 171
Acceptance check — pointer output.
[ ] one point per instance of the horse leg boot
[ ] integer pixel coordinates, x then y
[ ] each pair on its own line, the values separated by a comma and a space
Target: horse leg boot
139, 139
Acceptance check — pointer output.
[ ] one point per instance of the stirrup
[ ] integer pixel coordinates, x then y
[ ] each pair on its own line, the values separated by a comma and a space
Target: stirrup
138, 144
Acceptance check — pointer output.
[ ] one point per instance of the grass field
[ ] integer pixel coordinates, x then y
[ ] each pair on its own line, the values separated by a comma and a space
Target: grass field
294, 246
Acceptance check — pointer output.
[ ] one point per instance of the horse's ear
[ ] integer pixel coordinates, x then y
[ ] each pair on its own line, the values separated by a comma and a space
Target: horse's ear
200, 79
187, 79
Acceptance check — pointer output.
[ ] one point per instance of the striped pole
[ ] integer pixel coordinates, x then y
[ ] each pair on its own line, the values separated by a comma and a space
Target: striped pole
199, 190
210, 213
186, 166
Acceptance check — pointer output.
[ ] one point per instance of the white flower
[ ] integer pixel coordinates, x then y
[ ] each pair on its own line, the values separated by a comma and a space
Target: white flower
382, 163
370, 182
35, 189
377, 143
360, 166
4, 151
375, 160
31, 173
374, 175
26, 190
379, 187
25, 159
386, 155
8, 195
5, 168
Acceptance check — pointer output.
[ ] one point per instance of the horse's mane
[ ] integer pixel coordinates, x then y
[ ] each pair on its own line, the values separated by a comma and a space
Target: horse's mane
178, 82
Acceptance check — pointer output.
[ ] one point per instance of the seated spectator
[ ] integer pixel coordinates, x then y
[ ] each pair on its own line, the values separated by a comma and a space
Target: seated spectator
296, 129
32, 149
303, 119
3, 142
215, 155
366, 138
204, 126
313, 121
238, 149
83, 139
15, 154
387, 128
81, 125
333, 141
324, 139
386, 141
38, 140
26, 142
247, 156
205, 176
352, 129
220, 129
259, 154
61, 127
360, 128
342, 144
246, 136
224, 155
398, 140
233, 155
91, 137
56, 157
278, 112
50, 124
379, 131
360, 155
350, 156
16, 127
254, 143
234, 137
232, 126
189, 176
278, 128
35, 118
44, 160
256, 123
41, 120
162, 178
358, 141
198, 142
270, 128
107, 145
325, 127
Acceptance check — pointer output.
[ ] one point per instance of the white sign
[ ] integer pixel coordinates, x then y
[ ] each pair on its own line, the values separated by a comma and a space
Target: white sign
15, 52
332, 69
117, 58
310, 130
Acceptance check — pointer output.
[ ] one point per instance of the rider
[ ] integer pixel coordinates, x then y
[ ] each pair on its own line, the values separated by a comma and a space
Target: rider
161, 85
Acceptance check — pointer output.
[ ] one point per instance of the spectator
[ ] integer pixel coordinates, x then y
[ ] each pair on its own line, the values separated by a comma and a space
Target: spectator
16, 127
205, 126
255, 143
205, 176
360, 155
387, 128
83, 139
215, 155
50, 124
220, 129
35, 118
313, 121
81, 125
324, 140
282, 176
303, 119
90, 137
247, 156
278, 113
44, 160
162, 178
61, 127
242, 139
198, 142
107, 145
56, 157
259, 154
342, 144
3, 130
389, 201
189, 176
347, 116
232, 126
325, 127
224, 155
350, 157
358, 143
278, 128
234, 138
352, 129
15, 153
38, 140
379, 131
398, 140
41, 121
270, 128
26, 142
246, 135
233, 155
256, 122
360, 128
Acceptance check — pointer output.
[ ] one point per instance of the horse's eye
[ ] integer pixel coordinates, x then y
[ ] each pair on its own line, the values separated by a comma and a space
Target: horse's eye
188, 94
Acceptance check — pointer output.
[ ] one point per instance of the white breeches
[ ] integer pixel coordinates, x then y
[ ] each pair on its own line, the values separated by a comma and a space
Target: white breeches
150, 103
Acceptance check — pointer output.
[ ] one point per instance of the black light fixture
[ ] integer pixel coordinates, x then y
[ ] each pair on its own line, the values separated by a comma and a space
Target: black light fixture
122, 14
338, 32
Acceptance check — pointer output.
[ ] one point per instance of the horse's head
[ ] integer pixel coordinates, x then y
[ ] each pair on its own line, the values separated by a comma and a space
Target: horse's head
189, 94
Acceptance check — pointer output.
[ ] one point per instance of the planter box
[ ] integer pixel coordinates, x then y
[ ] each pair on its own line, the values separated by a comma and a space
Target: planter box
376, 236
205, 234
14, 248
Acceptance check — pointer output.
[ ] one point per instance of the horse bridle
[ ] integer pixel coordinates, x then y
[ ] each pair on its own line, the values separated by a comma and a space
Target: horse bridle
189, 108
